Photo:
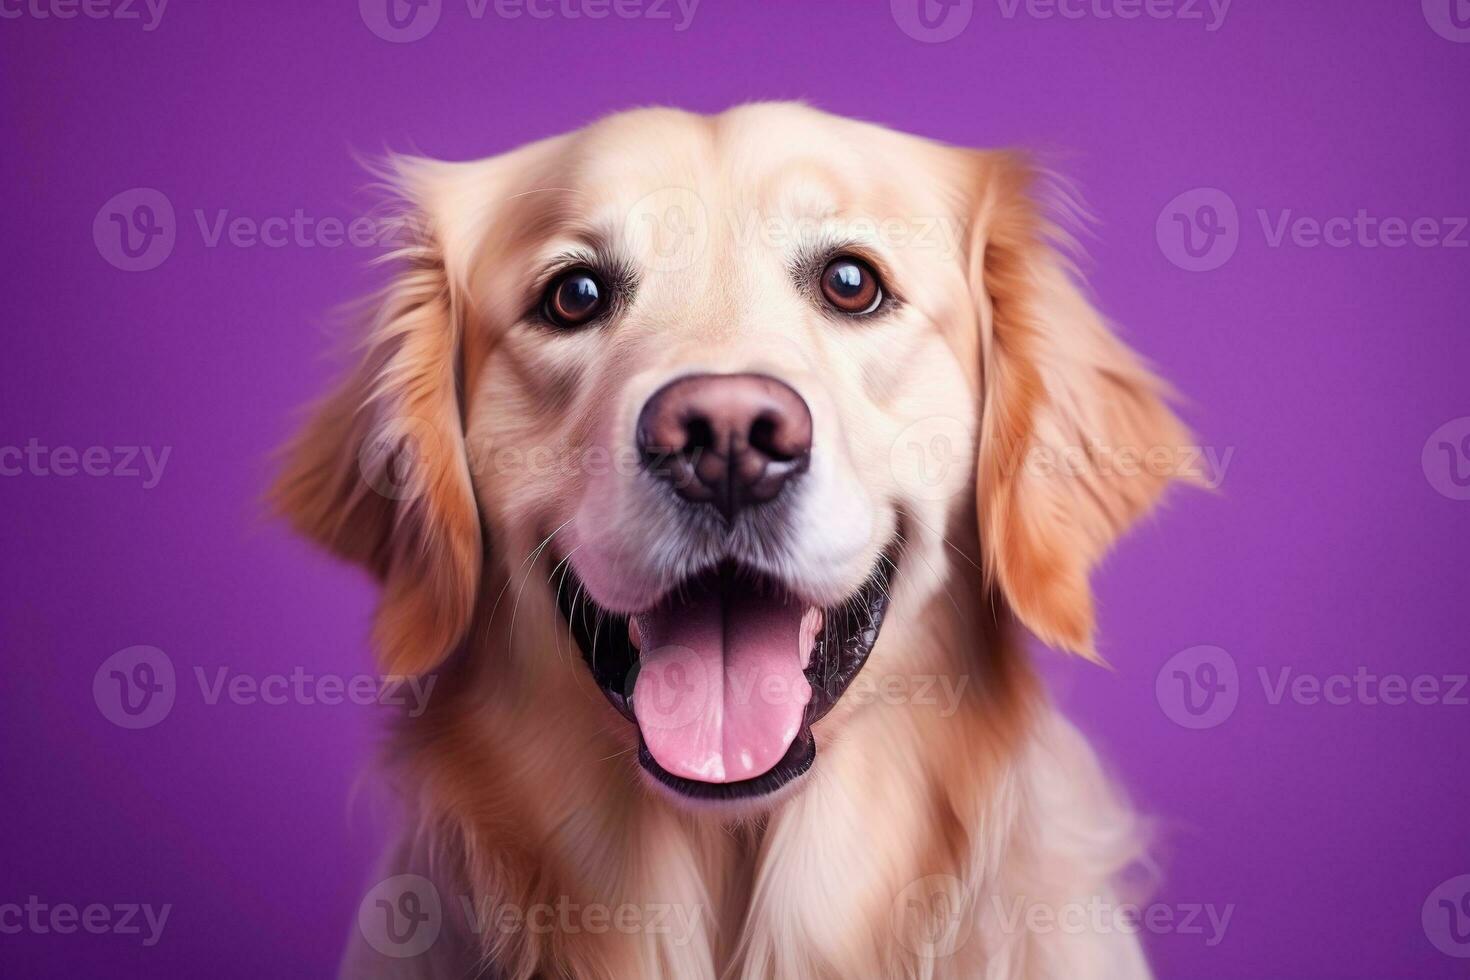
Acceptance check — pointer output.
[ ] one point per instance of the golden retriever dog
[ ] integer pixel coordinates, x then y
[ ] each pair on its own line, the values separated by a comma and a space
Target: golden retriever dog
712, 465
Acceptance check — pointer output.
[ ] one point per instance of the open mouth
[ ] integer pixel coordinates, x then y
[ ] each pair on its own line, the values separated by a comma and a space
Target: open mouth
725, 675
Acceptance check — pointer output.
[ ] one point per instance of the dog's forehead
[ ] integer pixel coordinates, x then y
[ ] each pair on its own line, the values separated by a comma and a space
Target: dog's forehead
767, 159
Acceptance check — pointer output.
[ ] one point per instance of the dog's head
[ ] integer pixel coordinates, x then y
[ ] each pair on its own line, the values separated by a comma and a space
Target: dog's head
727, 389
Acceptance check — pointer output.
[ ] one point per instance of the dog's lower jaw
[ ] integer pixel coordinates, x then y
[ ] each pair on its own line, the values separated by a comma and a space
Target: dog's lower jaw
738, 799
824, 655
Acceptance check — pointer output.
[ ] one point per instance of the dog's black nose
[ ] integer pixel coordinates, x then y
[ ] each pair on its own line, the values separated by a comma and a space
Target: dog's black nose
728, 440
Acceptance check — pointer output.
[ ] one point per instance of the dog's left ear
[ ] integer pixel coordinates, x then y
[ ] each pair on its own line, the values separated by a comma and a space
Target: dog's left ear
1076, 439
380, 475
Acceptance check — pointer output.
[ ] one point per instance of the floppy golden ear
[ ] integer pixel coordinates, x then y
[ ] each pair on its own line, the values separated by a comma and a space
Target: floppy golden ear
1076, 440
380, 474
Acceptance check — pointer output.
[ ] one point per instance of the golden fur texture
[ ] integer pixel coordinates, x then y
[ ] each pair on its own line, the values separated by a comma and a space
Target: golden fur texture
456, 463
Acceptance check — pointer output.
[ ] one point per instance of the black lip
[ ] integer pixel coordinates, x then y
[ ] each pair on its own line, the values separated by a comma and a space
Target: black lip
797, 760
849, 631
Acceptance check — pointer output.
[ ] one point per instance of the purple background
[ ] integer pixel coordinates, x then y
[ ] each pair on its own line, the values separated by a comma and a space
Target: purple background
1325, 369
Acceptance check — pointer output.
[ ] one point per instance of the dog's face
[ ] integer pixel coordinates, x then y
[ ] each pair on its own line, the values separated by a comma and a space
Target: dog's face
732, 322
723, 387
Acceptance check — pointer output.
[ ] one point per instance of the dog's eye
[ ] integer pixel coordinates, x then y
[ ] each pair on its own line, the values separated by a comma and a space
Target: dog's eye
851, 286
575, 297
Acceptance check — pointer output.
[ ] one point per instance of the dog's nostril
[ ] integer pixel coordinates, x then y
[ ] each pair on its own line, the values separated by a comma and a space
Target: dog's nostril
699, 435
764, 432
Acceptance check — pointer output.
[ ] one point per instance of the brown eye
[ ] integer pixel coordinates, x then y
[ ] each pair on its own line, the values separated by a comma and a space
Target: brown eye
851, 286
575, 298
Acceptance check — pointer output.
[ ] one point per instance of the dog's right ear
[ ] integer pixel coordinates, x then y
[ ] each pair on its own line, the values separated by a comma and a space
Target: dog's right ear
380, 475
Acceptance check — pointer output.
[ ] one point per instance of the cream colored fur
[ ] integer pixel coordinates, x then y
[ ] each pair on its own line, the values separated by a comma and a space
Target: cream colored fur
906, 850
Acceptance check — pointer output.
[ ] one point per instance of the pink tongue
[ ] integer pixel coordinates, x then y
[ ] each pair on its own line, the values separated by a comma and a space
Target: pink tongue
720, 691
